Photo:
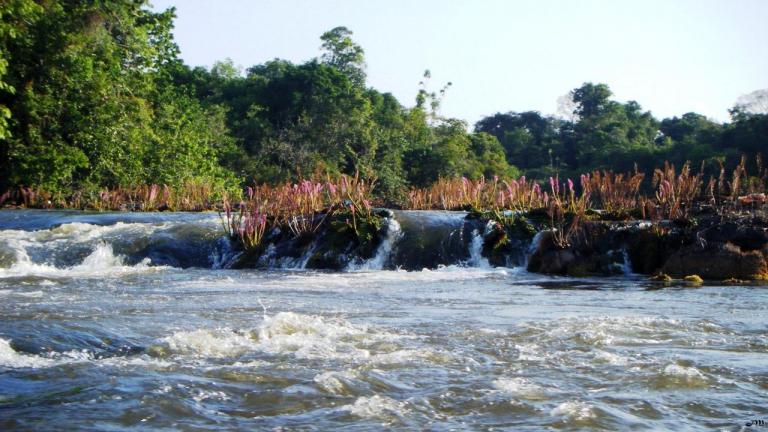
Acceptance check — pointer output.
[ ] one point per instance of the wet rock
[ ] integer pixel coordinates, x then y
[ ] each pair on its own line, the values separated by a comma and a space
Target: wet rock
693, 279
661, 277
547, 258
744, 236
717, 261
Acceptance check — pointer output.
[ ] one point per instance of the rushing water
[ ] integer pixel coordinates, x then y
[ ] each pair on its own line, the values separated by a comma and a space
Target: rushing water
101, 328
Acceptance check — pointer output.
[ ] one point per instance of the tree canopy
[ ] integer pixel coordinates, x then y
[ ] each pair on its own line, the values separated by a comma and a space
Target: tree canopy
94, 94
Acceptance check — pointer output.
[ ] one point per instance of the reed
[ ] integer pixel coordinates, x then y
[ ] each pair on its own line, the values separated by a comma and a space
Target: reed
190, 196
465, 194
614, 192
567, 209
676, 193
300, 208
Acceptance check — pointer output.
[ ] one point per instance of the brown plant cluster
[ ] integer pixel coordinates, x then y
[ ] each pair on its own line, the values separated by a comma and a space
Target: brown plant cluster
301, 208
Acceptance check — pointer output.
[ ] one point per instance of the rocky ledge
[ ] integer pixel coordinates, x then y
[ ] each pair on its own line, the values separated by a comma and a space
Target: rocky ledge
712, 246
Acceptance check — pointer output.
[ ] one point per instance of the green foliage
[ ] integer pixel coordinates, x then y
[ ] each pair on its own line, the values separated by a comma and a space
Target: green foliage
342, 53
90, 101
93, 94
605, 134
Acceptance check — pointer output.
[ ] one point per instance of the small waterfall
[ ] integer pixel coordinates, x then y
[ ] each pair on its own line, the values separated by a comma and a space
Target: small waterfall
476, 258
383, 252
301, 264
626, 265
535, 242
223, 256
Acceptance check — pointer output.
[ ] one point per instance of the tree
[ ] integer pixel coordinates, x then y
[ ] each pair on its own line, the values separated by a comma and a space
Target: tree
752, 103
90, 81
344, 54
591, 99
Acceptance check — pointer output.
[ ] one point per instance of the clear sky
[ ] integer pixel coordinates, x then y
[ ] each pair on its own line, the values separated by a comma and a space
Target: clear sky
672, 56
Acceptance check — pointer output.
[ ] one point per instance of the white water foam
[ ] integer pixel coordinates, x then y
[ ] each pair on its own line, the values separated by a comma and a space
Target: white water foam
574, 410
209, 343
685, 375
335, 382
520, 388
101, 262
286, 333
11, 359
377, 407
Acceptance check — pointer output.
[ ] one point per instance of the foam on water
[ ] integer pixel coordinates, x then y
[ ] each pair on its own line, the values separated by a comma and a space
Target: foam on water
335, 382
675, 375
574, 410
9, 358
285, 333
100, 263
520, 388
209, 343
377, 407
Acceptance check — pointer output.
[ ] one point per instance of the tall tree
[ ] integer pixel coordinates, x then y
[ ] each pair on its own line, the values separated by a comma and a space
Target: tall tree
341, 52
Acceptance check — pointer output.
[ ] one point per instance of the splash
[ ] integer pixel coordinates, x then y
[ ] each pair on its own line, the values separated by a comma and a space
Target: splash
101, 262
286, 333
11, 359
377, 407
574, 410
383, 252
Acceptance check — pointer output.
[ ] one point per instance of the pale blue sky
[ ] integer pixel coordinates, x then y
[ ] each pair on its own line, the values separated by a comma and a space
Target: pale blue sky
672, 56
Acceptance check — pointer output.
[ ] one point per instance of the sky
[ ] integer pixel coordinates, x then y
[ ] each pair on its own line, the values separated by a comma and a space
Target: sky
671, 56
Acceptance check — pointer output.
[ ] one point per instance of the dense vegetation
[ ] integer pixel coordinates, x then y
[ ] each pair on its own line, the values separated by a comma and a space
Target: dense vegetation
93, 95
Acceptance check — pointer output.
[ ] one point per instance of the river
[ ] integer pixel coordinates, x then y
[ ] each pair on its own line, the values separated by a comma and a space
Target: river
114, 321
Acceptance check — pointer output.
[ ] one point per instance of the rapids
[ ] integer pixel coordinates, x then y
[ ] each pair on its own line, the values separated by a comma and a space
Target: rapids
118, 321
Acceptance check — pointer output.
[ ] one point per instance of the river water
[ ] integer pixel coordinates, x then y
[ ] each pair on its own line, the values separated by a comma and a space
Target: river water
120, 321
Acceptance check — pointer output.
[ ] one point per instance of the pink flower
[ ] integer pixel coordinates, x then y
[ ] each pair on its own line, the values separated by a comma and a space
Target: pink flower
570, 185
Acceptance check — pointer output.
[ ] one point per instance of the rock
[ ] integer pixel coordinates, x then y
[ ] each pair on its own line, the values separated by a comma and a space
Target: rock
596, 258
547, 258
717, 261
745, 236
694, 279
661, 277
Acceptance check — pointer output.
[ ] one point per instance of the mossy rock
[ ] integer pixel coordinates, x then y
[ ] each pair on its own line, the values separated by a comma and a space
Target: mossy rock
661, 277
694, 279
